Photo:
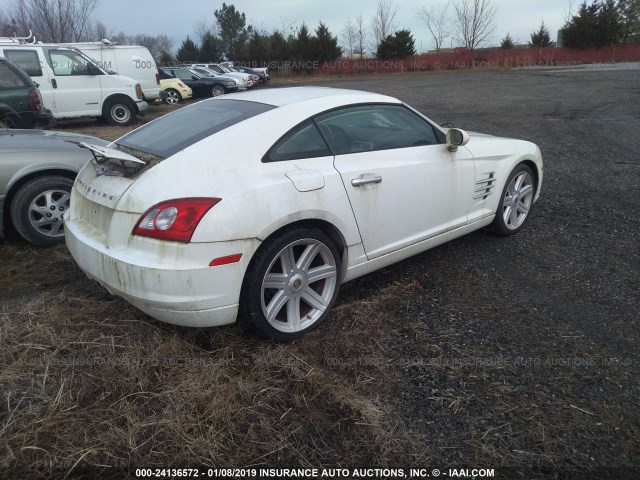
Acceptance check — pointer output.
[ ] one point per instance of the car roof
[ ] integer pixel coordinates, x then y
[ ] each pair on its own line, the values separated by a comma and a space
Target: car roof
286, 96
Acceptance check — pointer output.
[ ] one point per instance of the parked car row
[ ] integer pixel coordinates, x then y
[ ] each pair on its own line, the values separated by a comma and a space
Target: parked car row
71, 84
106, 80
206, 80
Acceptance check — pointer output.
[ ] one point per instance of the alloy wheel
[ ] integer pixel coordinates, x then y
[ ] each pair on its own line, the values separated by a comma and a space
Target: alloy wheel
299, 285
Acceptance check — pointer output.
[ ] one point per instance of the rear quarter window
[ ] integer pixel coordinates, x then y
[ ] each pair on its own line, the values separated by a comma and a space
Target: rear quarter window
27, 60
174, 132
9, 78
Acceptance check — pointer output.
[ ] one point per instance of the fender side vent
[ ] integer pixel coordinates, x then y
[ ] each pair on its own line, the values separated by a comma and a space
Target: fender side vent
484, 186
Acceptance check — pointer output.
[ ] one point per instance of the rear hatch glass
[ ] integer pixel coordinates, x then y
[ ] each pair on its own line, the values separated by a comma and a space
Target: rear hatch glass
174, 132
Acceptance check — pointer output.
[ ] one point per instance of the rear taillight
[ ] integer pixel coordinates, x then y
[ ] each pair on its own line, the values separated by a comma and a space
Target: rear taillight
174, 219
157, 78
34, 101
181, 85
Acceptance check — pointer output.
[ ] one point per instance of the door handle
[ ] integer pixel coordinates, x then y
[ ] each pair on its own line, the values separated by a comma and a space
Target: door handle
54, 84
366, 179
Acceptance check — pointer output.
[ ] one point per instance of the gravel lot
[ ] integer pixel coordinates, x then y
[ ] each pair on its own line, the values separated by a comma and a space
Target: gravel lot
519, 353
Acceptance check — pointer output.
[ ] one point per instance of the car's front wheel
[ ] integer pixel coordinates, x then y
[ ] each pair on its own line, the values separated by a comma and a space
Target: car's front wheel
516, 201
173, 97
38, 209
217, 90
120, 112
291, 284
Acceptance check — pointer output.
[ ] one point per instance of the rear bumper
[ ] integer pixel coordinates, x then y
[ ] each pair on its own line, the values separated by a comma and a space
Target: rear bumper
32, 119
170, 282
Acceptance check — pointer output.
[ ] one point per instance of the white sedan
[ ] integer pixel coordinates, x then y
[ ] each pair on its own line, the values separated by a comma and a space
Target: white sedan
325, 185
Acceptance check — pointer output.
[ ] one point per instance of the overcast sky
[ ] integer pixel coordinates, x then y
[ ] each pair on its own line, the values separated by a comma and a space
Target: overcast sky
177, 18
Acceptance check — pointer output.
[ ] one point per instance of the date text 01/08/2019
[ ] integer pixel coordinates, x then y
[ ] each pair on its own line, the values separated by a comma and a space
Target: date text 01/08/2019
311, 473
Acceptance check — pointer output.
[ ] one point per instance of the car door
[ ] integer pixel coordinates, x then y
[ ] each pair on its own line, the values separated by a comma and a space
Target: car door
403, 183
200, 87
75, 84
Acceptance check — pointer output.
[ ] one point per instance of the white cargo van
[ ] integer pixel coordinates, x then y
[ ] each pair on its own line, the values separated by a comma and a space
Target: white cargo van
132, 61
72, 85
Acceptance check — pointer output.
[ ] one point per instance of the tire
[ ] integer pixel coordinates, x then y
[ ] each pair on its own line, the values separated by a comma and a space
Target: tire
279, 300
5, 123
173, 97
38, 209
119, 111
217, 90
516, 201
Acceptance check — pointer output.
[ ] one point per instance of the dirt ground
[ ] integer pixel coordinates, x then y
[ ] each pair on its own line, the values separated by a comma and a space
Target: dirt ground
517, 354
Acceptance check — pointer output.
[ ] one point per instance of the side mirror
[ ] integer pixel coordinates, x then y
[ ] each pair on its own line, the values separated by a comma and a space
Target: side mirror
455, 138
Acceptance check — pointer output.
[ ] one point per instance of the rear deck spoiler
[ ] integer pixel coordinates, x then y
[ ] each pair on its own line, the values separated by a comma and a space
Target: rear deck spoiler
127, 164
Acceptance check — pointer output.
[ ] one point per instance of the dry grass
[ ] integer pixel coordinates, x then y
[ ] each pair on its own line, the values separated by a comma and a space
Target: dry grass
93, 387
88, 380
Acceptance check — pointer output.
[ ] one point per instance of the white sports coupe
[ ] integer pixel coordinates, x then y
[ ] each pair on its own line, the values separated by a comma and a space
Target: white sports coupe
325, 185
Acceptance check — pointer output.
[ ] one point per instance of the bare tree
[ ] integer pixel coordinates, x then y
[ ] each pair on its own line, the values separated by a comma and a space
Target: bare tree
383, 22
568, 13
7, 29
158, 46
361, 36
120, 38
349, 35
204, 29
437, 22
475, 21
101, 32
288, 26
56, 21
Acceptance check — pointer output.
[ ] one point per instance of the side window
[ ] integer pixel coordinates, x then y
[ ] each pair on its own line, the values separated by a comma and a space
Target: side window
182, 74
374, 127
27, 60
9, 78
302, 142
67, 63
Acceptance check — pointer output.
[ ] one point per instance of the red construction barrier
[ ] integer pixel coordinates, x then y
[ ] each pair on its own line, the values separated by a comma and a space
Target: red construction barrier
460, 59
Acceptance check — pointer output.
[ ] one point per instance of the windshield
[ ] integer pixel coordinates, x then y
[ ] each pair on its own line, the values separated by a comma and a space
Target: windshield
178, 130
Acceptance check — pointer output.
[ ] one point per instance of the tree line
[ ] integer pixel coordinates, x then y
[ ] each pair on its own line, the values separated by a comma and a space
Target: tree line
472, 23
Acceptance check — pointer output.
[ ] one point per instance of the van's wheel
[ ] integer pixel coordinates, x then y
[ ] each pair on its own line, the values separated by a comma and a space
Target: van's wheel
119, 111
217, 90
173, 97
291, 284
38, 209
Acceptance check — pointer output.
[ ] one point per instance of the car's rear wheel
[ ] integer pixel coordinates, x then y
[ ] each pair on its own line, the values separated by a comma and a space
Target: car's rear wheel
173, 97
217, 90
291, 284
38, 209
516, 201
5, 123
120, 111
